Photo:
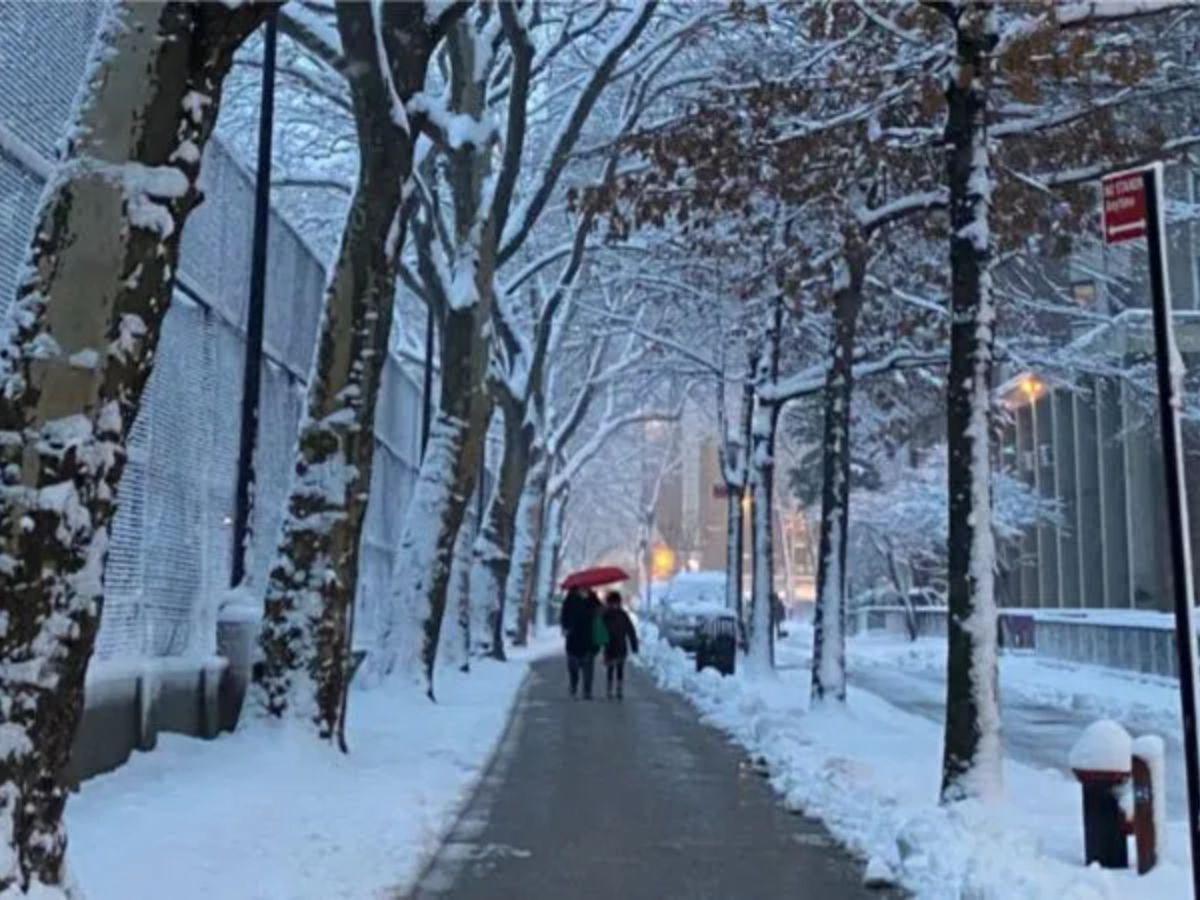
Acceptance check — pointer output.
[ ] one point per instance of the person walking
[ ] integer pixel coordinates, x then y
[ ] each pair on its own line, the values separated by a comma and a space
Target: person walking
622, 638
578, 621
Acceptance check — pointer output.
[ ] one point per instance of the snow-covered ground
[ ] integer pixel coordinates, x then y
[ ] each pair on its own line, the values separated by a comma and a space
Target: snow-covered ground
1045, 704
871, 772
1095, 690
266, 814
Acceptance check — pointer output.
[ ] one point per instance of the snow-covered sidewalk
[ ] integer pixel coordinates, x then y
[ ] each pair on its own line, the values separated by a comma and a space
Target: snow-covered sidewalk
871, 772
266, 814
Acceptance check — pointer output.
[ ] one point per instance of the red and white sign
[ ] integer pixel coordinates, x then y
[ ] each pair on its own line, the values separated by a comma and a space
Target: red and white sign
1124, 207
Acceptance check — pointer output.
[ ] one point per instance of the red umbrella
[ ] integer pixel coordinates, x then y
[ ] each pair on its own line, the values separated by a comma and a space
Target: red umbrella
587, 578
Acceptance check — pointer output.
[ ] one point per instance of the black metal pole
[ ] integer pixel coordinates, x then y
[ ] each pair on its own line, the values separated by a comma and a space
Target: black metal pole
252, 373
427, 385
1169, 401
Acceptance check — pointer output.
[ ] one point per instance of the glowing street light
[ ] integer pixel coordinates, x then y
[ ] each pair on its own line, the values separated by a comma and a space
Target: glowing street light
1032, 387
662, 562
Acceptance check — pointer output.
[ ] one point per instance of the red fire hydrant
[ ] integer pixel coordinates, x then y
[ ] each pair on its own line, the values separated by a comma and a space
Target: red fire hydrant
1104, 759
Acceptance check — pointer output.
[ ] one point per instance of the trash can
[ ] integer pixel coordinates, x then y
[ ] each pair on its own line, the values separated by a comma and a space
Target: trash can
716, 645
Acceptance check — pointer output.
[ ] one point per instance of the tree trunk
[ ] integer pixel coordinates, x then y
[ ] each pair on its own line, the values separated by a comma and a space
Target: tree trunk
456, 646
455, 451
311, 590
829, 616
86, 320
530, 514
544, 579
735, 532
492, 554
761, 652
760, 657
972, 755
444, 486
735, 481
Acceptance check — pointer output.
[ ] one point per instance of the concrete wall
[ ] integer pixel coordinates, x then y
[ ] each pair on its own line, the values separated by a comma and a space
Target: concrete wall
1130, 647
129, 703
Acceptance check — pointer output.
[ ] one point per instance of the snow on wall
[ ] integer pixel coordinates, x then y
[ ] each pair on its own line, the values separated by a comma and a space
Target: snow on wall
171, 552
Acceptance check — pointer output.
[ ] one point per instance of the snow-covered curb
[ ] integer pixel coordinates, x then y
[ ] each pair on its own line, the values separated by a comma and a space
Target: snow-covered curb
267, 814
870, 772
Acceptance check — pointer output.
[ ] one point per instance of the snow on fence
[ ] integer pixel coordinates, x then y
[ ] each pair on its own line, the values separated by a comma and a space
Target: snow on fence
171, 550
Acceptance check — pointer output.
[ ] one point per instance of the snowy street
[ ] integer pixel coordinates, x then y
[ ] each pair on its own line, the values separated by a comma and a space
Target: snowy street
631, 799
1037, 731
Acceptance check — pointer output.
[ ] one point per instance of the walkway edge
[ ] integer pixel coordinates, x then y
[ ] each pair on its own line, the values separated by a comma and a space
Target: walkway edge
496, 761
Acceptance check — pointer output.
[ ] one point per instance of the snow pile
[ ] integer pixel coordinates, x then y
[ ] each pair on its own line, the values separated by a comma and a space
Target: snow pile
268, 814
872, 774
1104, 746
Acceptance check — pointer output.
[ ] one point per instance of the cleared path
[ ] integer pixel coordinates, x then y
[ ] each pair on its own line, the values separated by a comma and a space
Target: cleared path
629, 800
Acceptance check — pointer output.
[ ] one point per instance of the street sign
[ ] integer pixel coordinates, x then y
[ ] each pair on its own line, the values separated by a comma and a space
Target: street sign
1125, 214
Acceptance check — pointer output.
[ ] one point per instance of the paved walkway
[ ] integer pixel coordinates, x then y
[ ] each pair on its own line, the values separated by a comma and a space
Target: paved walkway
632, 800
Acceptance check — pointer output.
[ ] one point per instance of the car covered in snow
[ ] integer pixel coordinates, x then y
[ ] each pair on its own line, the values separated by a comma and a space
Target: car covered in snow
692, 599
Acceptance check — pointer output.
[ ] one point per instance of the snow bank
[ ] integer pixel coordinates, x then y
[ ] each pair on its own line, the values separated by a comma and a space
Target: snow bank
872, 774
266, 813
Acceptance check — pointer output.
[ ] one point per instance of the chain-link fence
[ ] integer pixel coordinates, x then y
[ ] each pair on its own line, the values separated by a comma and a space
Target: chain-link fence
171, 554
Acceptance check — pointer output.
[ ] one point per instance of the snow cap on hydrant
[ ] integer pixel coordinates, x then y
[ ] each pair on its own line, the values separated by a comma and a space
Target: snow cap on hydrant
1104, 746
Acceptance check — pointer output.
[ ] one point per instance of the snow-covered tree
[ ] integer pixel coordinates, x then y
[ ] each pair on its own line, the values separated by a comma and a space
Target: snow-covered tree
312, 586
74, 361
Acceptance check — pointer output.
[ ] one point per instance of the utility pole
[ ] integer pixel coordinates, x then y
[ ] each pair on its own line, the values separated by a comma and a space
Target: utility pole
252, 374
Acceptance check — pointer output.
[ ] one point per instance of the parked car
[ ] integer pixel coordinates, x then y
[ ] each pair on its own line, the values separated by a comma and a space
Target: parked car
692, 598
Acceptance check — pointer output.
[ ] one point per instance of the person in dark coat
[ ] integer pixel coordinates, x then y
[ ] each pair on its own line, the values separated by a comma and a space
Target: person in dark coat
578, 618
622, 639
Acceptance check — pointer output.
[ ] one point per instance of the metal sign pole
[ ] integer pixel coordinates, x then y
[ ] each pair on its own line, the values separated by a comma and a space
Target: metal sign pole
252, 371
1170, 382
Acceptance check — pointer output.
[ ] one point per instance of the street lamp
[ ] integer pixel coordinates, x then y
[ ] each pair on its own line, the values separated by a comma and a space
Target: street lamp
1032, 387
662, 562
